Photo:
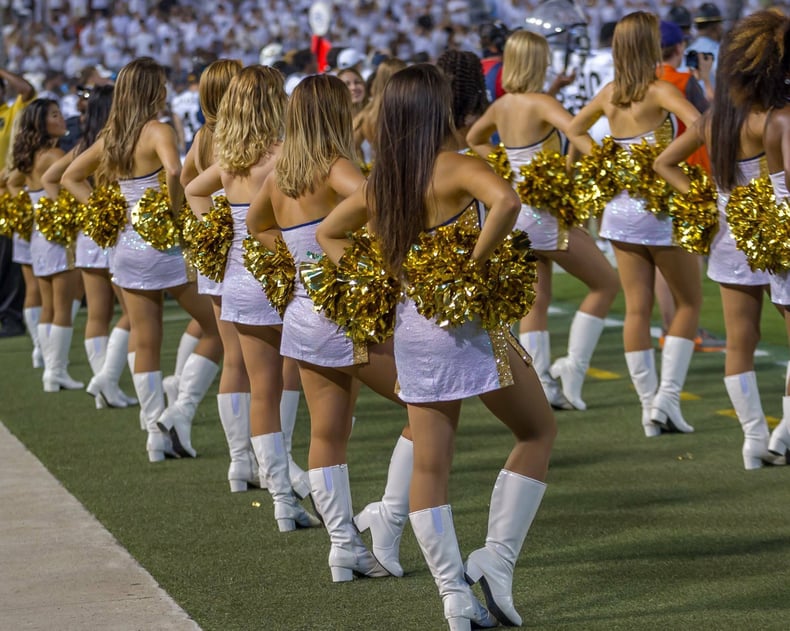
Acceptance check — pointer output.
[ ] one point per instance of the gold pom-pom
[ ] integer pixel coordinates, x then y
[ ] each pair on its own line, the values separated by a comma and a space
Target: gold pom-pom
105, 215
546, 186
209, 239
60, 220
640, 180
760, 226
21, 214
500, 163
595, 180
6, 218
358, 295
695, 215
275, 271
154, 220
450, 288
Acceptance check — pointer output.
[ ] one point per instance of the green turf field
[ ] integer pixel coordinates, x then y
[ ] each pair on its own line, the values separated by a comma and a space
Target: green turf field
634, 533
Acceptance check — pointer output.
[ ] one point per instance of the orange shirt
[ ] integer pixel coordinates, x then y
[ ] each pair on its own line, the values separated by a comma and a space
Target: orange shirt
680, 81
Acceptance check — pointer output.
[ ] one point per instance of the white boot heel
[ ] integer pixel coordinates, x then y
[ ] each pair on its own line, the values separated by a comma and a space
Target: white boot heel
459, 624
50, 385
238, 486
341, 574
286, 525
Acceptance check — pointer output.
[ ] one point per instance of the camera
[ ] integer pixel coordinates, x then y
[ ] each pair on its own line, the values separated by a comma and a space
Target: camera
692, 58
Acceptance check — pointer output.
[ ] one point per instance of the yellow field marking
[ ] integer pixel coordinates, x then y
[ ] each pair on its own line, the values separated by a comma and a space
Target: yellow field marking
688, 396
772, 420
603, 375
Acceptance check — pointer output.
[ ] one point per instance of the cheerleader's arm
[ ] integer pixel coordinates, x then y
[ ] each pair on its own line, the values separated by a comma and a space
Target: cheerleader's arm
261, 221
199, 190
52, 176
75, 177
667, 164
347, 217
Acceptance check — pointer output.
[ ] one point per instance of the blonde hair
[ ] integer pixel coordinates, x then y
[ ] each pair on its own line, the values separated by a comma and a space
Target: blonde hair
250, 118
138, 96
524, 62
318, 131
636, 50
366, 119
213, 83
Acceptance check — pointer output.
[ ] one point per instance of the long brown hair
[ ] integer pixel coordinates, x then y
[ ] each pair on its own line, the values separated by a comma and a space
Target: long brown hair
318, 131
414, 122
636, 51
751, 74
366, 119
250, 118
213, 84
138, 96
32, 135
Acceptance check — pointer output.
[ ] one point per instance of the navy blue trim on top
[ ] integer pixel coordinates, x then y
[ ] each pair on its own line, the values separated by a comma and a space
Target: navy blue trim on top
140, 177
542, 140
302, 225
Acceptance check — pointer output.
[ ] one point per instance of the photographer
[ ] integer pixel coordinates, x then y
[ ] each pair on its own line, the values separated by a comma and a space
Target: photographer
710, 30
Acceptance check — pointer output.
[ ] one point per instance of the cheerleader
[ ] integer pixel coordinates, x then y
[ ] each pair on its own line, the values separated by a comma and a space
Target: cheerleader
764, 40
314, 171
417, 184
465, 74
638, 108
106, 353
132, 149
34, 151
247, 141
529, 122
365, 120
737, 159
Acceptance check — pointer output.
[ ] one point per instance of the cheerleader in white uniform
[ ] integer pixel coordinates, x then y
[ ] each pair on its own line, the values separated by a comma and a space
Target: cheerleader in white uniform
529, 122
737, 159
132, 149
247, 141
771, 63
638, 108
106, 351
415, 185
34, 152
316, 170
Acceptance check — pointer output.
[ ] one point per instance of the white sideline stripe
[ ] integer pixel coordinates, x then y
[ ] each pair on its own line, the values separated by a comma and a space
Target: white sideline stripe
61, 567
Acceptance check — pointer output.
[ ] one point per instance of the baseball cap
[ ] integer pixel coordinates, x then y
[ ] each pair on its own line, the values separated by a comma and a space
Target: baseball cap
271, 53
708, 12
348, 58
671, 34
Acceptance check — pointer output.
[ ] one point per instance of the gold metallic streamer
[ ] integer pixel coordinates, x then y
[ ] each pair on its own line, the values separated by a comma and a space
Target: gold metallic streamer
154, 220
105, 215
60, 220
6, 220
760, 226
358, 295
275, 271
208, 240
21, 214
447, 286
695, 215
546, 185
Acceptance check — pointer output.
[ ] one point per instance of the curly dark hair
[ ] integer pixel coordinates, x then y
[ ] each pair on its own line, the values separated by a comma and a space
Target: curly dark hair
96, 116
757, 60
465, 73
32, 135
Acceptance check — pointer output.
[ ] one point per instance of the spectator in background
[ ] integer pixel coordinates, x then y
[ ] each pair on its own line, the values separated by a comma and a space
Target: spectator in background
710, 30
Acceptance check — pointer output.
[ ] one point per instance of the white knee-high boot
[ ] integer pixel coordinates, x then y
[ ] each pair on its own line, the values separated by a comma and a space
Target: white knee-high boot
273, 463
348, 555
387, 517
148, 386
745, 398
104, 385
96, 350
197, 376
435, 533
234, 414
289, 404
538, 345
572, 369
56, 358
642, 368
32, 315
186, 346
779, 442
675, 360
514, 503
